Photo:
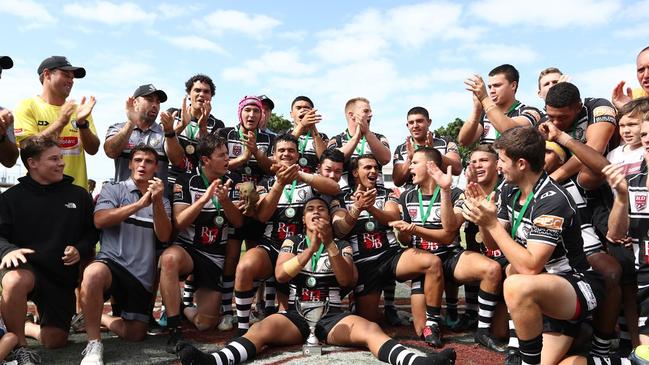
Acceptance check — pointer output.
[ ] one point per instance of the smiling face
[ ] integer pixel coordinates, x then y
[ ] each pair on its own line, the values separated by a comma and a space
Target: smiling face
630, 128
644, 136
418, 168
59, 82
331, 169
485, 165
286, 153
511, 170
48, 167
367, 173
418, 126
315, 210
642, 63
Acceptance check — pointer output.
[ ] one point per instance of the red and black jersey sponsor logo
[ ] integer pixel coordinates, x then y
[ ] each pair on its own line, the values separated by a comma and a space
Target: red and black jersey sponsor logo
68, 142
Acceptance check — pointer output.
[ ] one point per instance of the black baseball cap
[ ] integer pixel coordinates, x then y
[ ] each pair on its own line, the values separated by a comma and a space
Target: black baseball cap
266, 101
6, 62
149, 89
61, 63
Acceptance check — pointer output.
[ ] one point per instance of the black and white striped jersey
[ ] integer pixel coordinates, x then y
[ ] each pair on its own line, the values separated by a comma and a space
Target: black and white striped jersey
251, 171
309, 152
518, 109
639, 223
441, 144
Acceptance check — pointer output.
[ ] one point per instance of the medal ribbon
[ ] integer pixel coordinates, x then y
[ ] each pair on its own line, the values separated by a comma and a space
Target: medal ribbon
518, 219
362, 149
424, 216
316, 256
244, 137
192, 131
303, 143
216, 203
511, 109
289, 195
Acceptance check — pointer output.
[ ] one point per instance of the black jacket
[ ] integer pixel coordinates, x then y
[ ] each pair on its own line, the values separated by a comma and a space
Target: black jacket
46, 219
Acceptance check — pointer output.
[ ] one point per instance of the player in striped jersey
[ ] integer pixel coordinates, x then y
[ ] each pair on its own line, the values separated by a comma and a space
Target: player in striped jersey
311, 143
379, 257
315, 267
539, 233
280, 209
497, 110
431, 223
203, 215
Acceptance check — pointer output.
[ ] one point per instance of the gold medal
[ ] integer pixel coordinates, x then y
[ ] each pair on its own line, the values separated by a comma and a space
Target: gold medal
478, 237
190, 149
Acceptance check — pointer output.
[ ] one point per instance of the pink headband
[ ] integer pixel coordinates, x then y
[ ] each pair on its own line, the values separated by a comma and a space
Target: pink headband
248, 100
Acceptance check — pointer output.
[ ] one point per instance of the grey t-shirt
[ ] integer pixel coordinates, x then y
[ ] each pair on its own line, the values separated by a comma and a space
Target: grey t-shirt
132, 243
153, 137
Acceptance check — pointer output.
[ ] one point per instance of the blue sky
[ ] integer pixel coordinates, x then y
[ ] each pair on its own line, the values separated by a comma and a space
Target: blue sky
397, 54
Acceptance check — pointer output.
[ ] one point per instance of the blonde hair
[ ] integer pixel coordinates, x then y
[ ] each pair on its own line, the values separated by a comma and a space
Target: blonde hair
547, 71
351, 102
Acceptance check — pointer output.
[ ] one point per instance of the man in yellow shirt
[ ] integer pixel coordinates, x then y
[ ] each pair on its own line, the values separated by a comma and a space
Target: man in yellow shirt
50, 114
619, 97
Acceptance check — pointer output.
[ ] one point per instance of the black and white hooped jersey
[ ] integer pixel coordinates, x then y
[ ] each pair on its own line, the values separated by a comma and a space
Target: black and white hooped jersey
189, 137
371, 240
346, 181
474, 241
639, 223
203, 234
286, 221
551, 218
409, 201
309, 151
251, 171
518, 109
592, 243
326, 283
440, 144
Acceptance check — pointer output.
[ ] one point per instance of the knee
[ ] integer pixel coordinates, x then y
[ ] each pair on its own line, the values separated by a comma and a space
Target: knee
493, 272
245, 268
53, 338
94, 276
516, 291
435, 268
135, 333
169, 262
17, 282
203, 323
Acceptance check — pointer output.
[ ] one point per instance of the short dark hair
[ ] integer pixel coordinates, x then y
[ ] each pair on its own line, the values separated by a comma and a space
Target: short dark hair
432, 154
286, 137
332, 154
418, 110
207, 144
562, 95
524, 142
202, 78
636, 108
510, 72
485, 147
143, 148
34, 148
355, 161
302, 98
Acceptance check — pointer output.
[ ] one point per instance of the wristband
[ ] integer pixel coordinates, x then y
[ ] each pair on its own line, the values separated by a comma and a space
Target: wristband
353, 212
170, 134
292, 267
85, 125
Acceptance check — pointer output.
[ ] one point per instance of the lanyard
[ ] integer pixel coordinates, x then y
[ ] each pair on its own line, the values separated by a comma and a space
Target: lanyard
316, 256
192, 131
415, 143
519, 218
289, 196
362, 149
243, 137
424, 217
217, 204
511, 109
493, 191
303, 143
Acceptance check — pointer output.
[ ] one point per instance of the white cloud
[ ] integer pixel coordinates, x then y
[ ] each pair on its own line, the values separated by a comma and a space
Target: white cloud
109, 13
637, 11
600, 82
169, 11
253, 25
27, 9
546, 14
195, 43
498, 53
269, 63
639, 30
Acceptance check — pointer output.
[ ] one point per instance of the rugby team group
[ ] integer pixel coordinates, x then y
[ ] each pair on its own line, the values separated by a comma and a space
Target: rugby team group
554, 218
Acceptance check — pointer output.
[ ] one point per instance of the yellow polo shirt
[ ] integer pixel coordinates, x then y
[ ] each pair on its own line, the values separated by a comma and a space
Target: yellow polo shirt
639, 93
34, 115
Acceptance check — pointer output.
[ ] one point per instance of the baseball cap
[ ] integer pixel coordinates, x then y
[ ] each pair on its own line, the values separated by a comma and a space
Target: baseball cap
6, 62
61, 63
266, 101
149, 89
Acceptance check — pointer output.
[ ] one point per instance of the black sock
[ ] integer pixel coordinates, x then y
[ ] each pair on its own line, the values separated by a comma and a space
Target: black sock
471, 296
487, 304
451, 308
433, 315
236, 352
600, 344
388, 294
531, 350
394, 353
606, 360
226, 295
173, 321
270, 293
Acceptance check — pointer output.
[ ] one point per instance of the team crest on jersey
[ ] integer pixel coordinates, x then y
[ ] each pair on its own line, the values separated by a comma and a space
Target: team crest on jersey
301, 194
485, 129
412, 212
438, 212
236, 149
155, 141
640, 201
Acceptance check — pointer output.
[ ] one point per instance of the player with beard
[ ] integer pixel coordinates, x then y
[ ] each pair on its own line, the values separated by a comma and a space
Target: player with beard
379, 258
418, 124
438, 233
315, 267
550, 286
311, 143
280, 209
358, 114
